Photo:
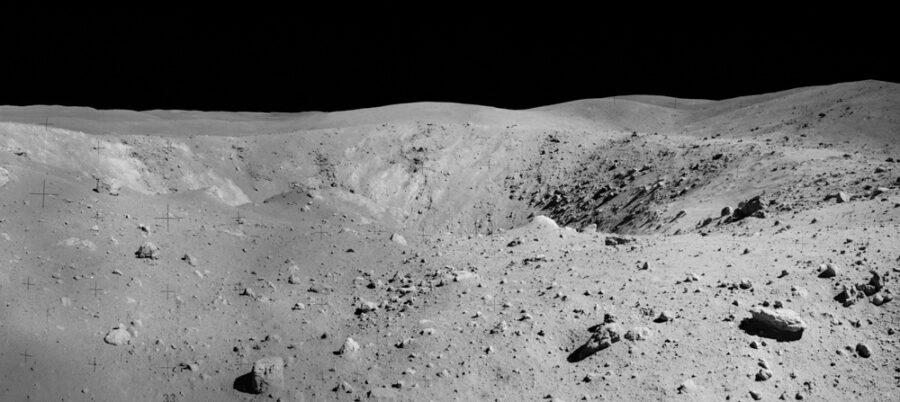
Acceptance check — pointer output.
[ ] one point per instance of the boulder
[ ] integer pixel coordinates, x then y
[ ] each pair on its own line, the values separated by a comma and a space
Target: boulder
118, 336
848, 295
543, 221
349, 347
604, 335
752, 207
863, 350
827, 271
873, 286
727, 211
781, 320
267, 376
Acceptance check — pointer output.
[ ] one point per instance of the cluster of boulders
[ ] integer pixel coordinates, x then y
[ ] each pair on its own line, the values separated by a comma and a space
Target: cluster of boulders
850, 294
605, 334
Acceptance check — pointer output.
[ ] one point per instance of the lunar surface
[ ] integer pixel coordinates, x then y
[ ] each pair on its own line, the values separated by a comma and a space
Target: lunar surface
628, 248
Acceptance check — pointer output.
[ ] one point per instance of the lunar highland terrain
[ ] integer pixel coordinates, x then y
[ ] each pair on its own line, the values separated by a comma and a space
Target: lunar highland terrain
633, 248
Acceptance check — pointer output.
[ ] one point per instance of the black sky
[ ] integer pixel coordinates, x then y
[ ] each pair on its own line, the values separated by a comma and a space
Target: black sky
294, 62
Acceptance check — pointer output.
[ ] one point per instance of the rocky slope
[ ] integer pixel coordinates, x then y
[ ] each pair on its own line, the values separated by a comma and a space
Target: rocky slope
398, 253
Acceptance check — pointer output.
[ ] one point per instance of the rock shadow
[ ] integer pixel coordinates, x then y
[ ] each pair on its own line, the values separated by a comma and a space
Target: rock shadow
585, 351
244, 383
758, 328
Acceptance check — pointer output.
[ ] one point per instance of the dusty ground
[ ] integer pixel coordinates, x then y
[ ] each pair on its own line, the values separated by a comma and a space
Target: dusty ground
289, 223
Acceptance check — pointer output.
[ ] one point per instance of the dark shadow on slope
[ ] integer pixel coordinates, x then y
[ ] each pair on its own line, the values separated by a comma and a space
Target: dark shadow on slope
585, 351
754, 327
244, 383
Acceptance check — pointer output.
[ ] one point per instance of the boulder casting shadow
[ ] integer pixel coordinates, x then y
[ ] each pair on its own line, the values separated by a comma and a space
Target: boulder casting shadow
244, 383
759, 328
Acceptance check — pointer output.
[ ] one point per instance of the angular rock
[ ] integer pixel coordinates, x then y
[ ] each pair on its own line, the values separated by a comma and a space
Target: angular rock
848, 295
745, 284
603, 337
147, 250
839, 197
664, 316
783, 320
399, 239
294, 280
349, 347
267, 376
827, 271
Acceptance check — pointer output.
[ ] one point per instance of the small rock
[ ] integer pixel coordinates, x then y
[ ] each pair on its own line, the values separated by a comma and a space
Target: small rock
745, 284
763, 375
863, 350
147, 250
344, 387
294, 280
755, 395
754, 345
727, 211
664, 316
248, 292
399, 239
880, 299
839, 197
489, 350
827, 271
691, 277
189, 259
366, 307
687, 387
500, 328
298, 306
590, 377
639, 334
515, 242
267, 375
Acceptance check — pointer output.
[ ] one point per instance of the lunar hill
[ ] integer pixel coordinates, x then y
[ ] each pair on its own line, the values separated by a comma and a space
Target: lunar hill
629, 248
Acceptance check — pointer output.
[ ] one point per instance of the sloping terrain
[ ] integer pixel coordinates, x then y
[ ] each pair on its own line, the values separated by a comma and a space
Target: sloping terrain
280, 236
